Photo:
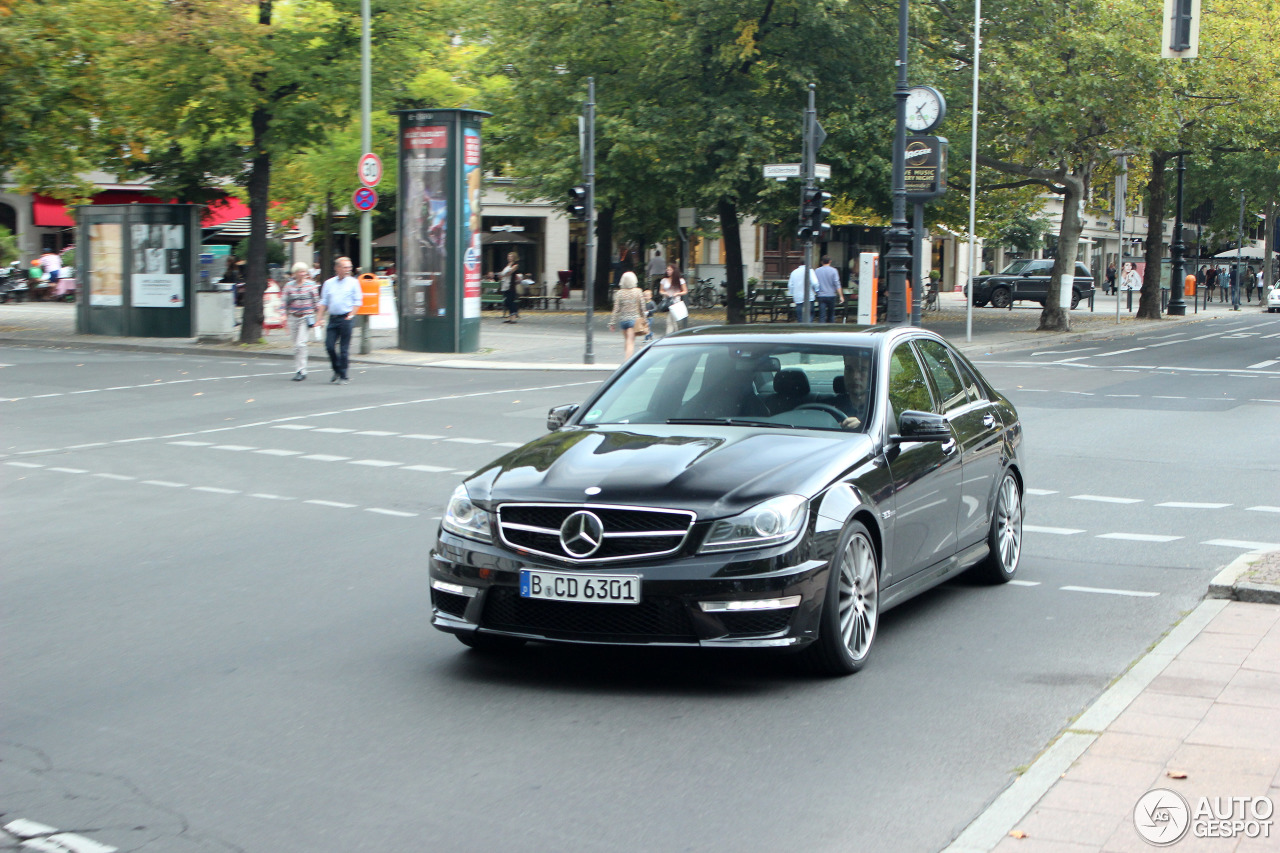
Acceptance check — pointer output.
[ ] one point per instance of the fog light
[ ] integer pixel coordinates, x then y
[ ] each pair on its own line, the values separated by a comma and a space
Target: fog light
455, 588
751, 604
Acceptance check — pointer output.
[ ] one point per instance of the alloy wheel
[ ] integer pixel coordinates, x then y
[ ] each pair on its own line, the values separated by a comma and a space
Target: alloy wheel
859, 596
1009, 526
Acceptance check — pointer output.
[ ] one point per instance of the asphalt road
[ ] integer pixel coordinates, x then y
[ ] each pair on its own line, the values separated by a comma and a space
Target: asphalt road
216, 616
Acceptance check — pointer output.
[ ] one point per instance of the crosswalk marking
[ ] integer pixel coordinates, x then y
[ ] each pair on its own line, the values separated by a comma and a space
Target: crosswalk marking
1139, 537
1106, 500
1105, 591
1244, 544
1192, 505
1058, 531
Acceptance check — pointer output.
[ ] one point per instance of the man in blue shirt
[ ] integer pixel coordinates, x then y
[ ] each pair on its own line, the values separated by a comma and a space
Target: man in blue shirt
828, 291
339, 299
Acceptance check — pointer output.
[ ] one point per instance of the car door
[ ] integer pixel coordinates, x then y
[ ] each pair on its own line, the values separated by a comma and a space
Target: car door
977, 427
926, 474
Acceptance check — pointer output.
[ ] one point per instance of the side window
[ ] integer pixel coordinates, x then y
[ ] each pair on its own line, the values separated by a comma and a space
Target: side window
908, 389
946, 378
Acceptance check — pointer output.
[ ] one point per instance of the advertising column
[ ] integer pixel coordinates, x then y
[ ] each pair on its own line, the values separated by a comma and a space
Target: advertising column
439, 219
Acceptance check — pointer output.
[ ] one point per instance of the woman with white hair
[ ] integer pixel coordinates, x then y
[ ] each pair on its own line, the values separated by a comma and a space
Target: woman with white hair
300, 297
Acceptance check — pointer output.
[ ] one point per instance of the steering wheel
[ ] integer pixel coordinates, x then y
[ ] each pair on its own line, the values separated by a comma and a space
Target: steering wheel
823, 407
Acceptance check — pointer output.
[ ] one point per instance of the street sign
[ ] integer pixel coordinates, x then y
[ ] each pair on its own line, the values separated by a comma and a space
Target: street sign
365, 199
370, 170
821, 171
686, 217
926, 167
782, 170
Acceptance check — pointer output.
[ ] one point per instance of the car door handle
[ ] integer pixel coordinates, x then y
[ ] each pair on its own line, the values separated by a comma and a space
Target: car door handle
988, 421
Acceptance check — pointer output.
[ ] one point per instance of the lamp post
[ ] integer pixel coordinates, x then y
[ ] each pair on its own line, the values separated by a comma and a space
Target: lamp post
1177, 251
973, 172
899, 255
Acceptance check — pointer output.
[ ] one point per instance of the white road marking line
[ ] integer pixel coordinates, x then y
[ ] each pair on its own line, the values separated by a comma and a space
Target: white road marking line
1192, 505
1264, 401
430, 469
1166, 343
25, 464
377, 463
293, 426
326, 457
214, 490
1058, 531
423, 437
271, 451
167, 484
1042, 491
335, 504
131, 440
1106, 500
120, 477
1023, 583
1104, 591
471, 440
1123, 395
1069, 360
235, 447
269, 497
379, 432
508, 444
1244, 544
397, 513
333, 429
1117, 352
42, 396
1272, 335
192, 443
90, 444
69, 470
1261, 364
1165, 397
1138, 537
1250, 509
45, 450
1063, 351
463, 473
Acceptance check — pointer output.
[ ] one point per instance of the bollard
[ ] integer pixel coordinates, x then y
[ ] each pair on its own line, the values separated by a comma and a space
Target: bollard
1130, 306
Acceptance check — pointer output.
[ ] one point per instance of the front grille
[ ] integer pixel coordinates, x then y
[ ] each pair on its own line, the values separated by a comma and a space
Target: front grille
630, 533
756, 622
652, 619
450, 602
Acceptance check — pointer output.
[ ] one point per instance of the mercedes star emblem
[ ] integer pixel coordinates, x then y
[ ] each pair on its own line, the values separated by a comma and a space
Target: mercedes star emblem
581, 534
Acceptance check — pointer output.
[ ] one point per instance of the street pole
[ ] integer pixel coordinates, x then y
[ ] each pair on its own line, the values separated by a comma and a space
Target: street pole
1122, 186
899, 256
973, 172
917, 263
1177, 251
589, 173
808, 158
1235, 293
366, 144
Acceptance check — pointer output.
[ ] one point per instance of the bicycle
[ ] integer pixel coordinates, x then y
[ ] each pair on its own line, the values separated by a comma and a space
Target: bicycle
704, 294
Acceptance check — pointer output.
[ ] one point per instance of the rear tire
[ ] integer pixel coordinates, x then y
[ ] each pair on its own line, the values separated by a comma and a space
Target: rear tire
1001, 298
851, 608
489, 643
1075, 299
1005, 536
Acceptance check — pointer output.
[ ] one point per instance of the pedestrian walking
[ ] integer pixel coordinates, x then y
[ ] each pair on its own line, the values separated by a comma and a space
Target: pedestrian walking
1234, 278
1223, 288
649, 307
673, 290
628, 309
1250, 278
657, 265
795, 287
828, 290
510, 278
1260, 281
1109, 281
301, 297
339, 299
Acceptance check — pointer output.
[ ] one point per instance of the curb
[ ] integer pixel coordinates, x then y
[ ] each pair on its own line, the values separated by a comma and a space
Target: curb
1227, 583
1016, 801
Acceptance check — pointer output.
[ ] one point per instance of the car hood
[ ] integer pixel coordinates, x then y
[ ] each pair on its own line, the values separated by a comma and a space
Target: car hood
714, 471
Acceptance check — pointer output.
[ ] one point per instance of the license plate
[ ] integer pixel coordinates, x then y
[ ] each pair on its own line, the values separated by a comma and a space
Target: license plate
565, 586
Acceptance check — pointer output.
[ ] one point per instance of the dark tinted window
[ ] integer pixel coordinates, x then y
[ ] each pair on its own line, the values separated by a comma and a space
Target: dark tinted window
908, 390
946, 377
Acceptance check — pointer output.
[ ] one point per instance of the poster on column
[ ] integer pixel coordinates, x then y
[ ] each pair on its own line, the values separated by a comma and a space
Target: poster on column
471, 182
106, 261
156, 278
426, 215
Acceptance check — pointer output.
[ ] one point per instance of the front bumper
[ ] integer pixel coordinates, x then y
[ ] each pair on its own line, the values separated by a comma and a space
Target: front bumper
475, 588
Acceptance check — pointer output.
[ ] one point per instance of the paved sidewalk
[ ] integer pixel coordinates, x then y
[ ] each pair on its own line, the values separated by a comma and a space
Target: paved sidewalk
1194, 723
556, 340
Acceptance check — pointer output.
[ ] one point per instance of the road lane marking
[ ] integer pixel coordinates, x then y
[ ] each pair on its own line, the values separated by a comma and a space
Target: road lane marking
192, 443
271, 451
120, 477
1166, 343
326, 457
69, 470
377, 432
333, 429
395, 512
1106, 500
90, 444
293, 426
1057, 531
269, 497
471, 440
16, 464
334, 504
166, 483
423, 437
1023, 583
1105, 591
1165, 397
1042, 491
1117, 352
1244, 544
1123, 395
1192, 505
430, 469
1262, 364
509, 444
214, 490
1250, 509
377, 463
233, 447
1063, 351
1138, 537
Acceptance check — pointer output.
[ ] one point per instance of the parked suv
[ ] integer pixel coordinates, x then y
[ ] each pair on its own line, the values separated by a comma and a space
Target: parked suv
1027, 281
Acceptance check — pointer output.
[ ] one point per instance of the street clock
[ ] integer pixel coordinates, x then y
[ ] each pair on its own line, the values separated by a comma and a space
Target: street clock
926, 108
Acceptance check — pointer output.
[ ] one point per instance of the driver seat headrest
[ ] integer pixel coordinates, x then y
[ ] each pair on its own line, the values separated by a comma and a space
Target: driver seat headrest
791, 383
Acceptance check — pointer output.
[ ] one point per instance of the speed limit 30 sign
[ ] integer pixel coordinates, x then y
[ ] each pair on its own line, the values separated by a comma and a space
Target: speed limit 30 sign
370, 170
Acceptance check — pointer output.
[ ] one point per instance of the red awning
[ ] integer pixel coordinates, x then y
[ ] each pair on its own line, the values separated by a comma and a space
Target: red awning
51, 213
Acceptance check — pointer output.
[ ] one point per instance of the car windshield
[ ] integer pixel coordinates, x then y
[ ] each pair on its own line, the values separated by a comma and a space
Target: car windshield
795, 386
1024, 265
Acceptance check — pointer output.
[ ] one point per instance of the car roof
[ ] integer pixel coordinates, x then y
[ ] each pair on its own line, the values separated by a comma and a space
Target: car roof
841, 335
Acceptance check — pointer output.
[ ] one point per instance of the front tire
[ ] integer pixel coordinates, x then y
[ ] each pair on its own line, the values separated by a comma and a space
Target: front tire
1005, 537
1001, 298
851, 609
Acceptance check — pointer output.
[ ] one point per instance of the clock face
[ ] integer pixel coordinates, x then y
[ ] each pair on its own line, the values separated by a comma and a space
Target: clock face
924, 108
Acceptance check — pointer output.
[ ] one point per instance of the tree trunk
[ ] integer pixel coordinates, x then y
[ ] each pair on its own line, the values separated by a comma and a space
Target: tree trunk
604, 256
259, 187
1055, 318
326, 253
1153, 251
734, 284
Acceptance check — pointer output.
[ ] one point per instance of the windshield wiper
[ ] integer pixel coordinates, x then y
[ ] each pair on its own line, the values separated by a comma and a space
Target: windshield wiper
729, 422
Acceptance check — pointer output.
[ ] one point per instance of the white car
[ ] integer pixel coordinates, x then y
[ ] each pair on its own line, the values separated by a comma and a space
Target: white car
1273, 298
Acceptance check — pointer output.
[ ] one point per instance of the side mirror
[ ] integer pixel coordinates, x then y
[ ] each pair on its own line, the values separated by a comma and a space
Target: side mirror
923, 426
557, 417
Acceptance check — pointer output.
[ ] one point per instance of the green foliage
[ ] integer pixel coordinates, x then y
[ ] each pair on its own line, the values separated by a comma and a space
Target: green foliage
1023, 231
8, 246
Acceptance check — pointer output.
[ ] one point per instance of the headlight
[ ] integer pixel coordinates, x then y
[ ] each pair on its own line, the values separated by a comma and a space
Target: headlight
773, 522
464, 518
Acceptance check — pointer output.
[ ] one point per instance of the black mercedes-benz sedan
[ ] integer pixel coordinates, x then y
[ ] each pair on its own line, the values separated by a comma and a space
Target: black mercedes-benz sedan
740, 487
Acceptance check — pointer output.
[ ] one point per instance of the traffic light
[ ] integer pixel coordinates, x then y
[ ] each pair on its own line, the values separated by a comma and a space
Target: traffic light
814, 213
578, 203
